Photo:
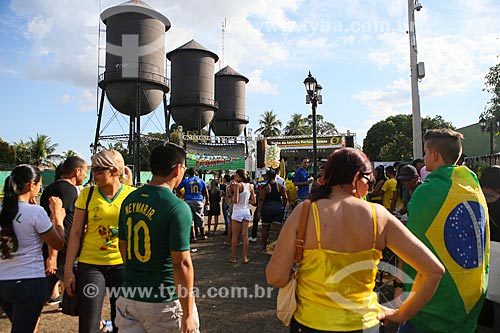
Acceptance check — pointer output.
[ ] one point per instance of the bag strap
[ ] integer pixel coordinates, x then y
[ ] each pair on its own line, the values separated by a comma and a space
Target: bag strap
91, 191
299, 241
85, 220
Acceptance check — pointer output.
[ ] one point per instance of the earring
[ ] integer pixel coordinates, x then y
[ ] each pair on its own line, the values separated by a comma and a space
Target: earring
353, 191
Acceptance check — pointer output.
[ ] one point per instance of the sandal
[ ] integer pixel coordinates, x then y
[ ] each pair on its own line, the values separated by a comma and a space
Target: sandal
245, 261
232, 261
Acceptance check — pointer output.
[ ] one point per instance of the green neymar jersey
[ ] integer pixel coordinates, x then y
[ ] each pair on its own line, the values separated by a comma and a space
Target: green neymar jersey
153, 222
448, 213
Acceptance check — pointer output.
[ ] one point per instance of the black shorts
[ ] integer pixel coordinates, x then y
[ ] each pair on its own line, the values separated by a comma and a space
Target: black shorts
272, 212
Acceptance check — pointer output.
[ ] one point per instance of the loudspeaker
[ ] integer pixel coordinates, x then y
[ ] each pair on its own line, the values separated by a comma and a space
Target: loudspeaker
349, 141
261, 148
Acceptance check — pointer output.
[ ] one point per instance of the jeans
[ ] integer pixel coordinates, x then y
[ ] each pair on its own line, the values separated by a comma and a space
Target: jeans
225, 213
22, 300
255, 225
91, 284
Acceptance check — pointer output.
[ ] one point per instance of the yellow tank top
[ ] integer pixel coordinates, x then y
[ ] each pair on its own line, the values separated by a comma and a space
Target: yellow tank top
335, 289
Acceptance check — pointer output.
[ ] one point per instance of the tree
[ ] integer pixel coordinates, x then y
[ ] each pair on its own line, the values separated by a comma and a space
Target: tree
323, 127
68, 153
269, 124
22, 151
41, 149
392, 139
297, 126
7, 153
492, 86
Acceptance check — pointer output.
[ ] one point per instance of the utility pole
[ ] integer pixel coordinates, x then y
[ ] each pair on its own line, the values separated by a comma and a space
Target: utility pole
414, 76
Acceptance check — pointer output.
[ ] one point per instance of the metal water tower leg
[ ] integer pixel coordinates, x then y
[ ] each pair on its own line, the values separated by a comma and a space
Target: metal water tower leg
99, 117
167, 117
246, 142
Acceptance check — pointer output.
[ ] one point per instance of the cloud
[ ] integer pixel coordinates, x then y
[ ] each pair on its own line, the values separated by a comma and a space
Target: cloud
65, 99
86, 100
258, 85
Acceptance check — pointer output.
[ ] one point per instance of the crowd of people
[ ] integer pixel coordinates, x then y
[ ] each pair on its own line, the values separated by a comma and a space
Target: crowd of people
434, 214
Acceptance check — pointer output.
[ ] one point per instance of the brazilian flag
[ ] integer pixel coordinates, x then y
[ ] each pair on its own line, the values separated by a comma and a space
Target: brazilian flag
448, 213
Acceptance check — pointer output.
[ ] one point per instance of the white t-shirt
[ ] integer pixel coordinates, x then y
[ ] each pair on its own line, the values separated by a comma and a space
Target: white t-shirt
27, 259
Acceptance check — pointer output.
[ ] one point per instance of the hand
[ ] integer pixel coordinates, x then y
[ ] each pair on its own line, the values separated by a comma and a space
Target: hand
188, 324
51, 265
389, 314
69, 281
55, 205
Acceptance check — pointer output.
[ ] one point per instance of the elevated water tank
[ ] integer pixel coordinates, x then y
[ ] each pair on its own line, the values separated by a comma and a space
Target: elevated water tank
135, 61
230, 93
192, 103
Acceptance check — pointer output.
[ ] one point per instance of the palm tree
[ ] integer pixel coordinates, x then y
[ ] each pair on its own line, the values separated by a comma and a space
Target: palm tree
69, 153
41, 149
297, 126
22, 151
269, 123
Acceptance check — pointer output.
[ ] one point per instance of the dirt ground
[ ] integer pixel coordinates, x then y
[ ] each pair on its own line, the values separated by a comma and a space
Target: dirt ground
228, 310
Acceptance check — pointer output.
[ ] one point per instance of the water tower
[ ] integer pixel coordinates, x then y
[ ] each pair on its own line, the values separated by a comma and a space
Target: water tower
192, 102
134, 80
230, 90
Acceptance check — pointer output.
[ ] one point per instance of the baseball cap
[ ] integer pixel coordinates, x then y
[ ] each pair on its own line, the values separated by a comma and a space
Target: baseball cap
407, 172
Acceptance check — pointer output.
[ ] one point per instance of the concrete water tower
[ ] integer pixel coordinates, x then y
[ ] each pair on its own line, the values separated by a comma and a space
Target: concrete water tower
134, 80
192, 102
230, 92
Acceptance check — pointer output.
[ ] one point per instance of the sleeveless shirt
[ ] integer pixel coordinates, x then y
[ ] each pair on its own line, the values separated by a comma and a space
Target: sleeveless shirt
335, 289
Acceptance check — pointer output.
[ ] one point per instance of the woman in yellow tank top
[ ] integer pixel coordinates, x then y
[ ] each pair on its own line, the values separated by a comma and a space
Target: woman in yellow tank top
344, 239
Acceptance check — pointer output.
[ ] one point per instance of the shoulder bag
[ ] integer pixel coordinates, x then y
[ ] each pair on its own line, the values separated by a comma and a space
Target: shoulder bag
286, 304
69, 304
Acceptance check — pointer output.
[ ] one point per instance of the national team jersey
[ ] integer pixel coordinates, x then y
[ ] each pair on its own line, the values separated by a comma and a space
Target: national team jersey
153, 222
30, 222
194, 187
100, 244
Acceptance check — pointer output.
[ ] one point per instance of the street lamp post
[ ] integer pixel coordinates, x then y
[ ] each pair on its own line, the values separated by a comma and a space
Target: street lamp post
313, 97
491, 127
416, 72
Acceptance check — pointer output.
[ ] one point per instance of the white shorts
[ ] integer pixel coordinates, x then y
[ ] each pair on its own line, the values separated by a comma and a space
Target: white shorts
241, 215
138, 317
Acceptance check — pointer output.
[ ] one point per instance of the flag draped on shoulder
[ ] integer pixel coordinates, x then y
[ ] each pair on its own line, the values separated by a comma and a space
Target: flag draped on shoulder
448, 213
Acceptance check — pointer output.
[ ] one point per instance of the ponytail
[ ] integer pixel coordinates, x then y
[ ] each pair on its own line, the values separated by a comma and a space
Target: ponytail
15, 185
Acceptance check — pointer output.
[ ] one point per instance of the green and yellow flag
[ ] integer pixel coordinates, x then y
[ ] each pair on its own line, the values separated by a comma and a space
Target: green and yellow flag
448, 213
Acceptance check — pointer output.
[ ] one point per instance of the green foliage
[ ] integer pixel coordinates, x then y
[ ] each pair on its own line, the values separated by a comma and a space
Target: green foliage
392, 139
323, 127
269, 124
297, 126
492, 86
7, 153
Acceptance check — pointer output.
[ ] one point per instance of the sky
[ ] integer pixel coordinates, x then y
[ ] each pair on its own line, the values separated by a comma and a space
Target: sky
358, 50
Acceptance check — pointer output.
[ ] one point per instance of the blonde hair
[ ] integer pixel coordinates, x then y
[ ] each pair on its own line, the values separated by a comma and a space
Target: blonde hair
113, 158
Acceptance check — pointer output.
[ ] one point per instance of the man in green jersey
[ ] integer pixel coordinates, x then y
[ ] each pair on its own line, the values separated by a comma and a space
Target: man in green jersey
154, 230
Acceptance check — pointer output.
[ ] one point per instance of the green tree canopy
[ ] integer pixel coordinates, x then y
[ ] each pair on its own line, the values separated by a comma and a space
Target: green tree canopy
297, 126
323, 127
7, 153
492, 86
42, 150
269, 124
392, 139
